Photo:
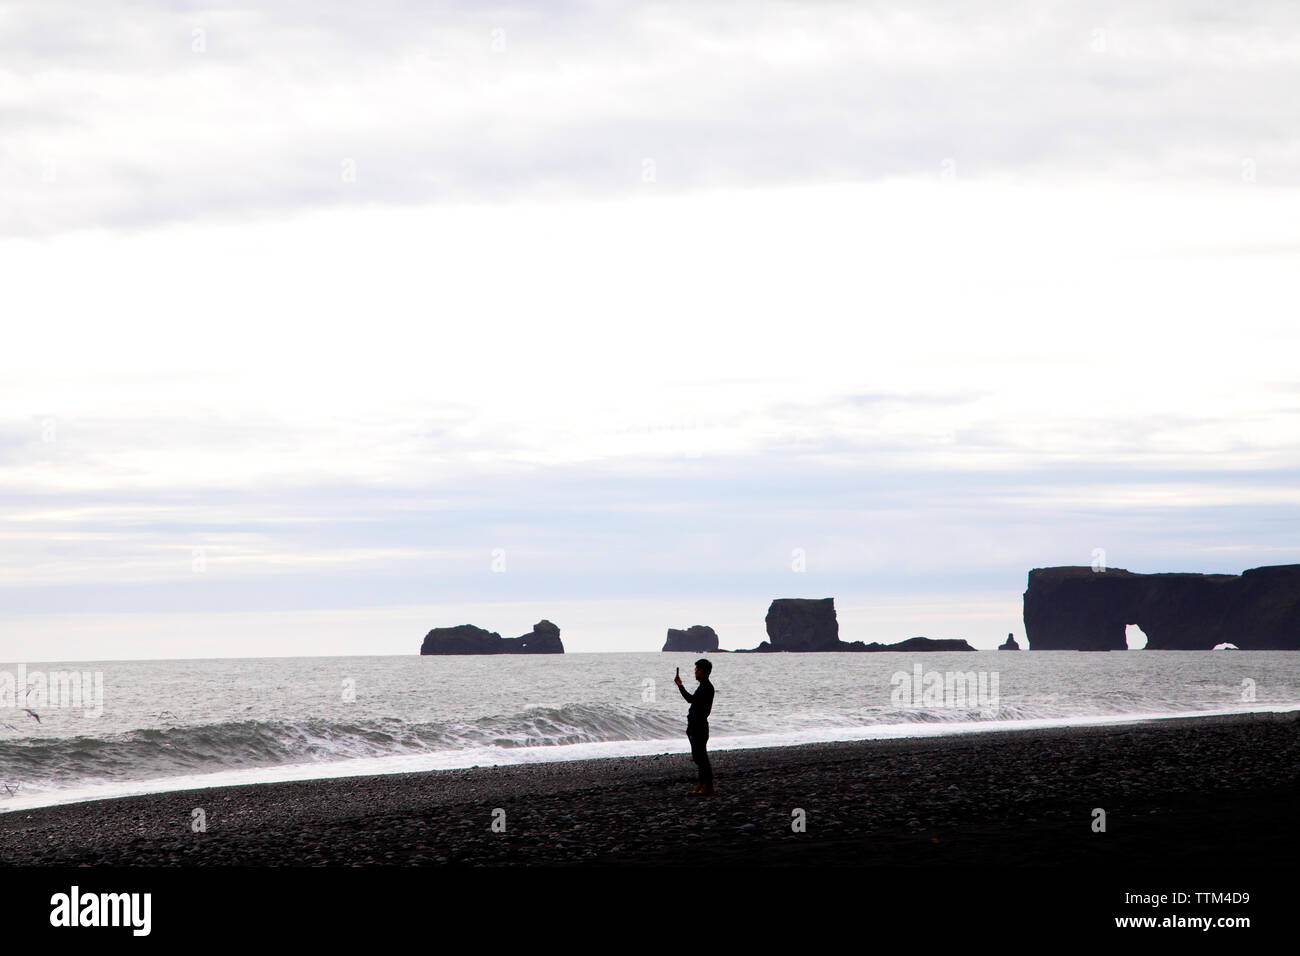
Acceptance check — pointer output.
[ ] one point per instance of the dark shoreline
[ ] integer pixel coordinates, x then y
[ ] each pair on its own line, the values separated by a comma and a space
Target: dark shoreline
1200, 790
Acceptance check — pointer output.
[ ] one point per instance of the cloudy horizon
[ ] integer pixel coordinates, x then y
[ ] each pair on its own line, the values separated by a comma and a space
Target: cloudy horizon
329, 325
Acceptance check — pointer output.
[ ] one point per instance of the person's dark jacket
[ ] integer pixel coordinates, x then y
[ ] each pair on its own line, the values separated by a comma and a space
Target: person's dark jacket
701, 703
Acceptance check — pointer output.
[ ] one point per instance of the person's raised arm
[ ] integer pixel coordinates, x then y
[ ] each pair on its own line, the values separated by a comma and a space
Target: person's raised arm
677, 679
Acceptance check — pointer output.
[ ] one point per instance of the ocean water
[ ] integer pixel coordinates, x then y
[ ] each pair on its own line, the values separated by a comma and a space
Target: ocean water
148, 726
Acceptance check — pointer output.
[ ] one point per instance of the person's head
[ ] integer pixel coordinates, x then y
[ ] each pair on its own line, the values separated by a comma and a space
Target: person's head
703, 668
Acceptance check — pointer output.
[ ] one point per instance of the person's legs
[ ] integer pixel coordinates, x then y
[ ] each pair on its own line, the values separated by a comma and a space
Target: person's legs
698, 754
706, 768
699, 738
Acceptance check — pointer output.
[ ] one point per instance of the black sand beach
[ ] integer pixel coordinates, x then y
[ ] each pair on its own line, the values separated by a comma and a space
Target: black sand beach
1203, 791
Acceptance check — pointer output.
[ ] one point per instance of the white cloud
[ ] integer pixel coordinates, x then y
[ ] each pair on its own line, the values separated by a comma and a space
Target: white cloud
212, 335
117, 120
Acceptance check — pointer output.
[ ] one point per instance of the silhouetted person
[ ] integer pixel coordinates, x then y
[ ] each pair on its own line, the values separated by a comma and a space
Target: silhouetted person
697, 722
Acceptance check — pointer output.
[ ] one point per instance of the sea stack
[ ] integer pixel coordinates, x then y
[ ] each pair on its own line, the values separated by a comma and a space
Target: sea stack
697, 639
468, 639
1010, 644
809, 624
802, 624
1081, 609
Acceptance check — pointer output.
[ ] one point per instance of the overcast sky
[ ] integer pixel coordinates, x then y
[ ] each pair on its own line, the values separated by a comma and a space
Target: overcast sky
327, 323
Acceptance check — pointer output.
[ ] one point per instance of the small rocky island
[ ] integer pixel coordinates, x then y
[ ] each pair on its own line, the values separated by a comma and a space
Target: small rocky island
468, 639
915, 644
697, 639
1010, 644
809, 624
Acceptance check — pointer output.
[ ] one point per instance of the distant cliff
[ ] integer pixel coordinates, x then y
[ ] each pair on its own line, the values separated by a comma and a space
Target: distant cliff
468, 639
1077, 608
697, 639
